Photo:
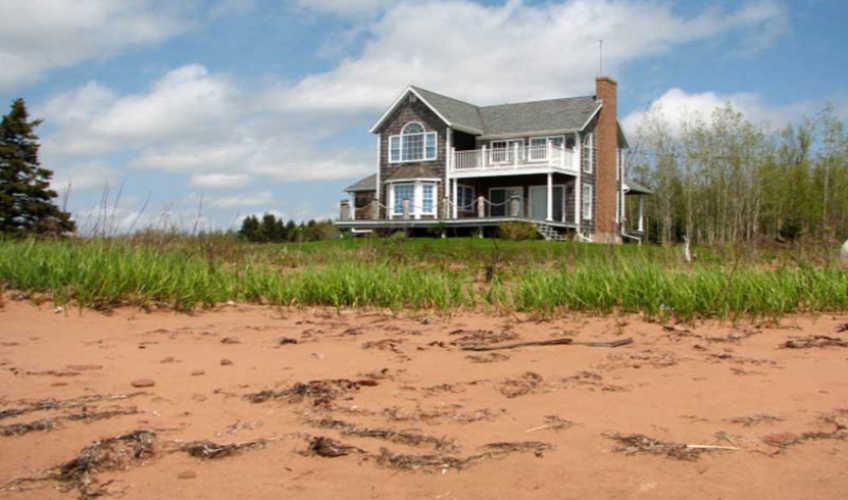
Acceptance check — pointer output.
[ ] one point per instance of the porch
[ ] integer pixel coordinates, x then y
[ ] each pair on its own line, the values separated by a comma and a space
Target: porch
513, 158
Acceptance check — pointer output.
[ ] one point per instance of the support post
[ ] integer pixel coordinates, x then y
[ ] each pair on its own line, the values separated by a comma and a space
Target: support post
484, 161
514, 206
481, 207
345, 210
641, 216
455, 197
550, 197
406, 205
375, 208
446, 208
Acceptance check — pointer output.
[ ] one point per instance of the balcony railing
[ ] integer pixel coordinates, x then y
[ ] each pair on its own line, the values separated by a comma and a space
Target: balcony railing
514, 157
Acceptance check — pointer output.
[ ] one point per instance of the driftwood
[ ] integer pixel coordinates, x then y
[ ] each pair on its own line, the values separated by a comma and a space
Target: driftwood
614, 343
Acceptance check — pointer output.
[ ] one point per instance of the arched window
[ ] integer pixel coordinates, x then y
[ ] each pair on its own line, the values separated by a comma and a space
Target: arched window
413, 144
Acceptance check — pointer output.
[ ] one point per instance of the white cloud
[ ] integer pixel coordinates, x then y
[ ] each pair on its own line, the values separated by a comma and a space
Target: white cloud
345, 7
219, 181
492, 54
678, 107
263, 198
86, 176
38, 35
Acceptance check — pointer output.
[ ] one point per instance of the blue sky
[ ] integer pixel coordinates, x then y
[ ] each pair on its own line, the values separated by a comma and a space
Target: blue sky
232, 107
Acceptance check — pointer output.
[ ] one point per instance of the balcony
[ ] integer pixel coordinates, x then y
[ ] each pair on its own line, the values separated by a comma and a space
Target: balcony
514, 160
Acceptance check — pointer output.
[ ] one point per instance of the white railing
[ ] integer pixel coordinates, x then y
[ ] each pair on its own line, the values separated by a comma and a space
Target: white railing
514, 157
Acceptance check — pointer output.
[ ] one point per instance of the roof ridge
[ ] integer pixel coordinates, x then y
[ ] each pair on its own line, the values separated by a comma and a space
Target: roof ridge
444, 96
538, 101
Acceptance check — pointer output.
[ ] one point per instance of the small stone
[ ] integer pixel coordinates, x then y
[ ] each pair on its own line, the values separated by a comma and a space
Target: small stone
169, 359
230, 303
230, 340
226, 362
58, 310
143, 382
197, 373
286, 340
187, 474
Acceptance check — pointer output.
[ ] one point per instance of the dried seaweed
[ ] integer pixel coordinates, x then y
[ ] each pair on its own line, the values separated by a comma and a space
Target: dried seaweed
321, 392
492, 357
48, 424
817, 341
442, 462
552, 422
329, 448
57, 404
434, 417
633, 444
752, 420
116, 453
207, 450
479, 337
527, 383
407, 437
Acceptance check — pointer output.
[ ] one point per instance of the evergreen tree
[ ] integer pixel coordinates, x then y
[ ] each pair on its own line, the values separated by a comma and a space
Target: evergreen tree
268, 228
250, 228
26, 204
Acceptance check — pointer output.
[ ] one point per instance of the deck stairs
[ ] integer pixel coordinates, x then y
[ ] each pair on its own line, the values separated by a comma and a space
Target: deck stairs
548, 232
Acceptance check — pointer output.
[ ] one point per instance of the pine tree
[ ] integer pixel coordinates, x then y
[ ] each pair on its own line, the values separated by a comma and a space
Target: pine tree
26, 204
249, 228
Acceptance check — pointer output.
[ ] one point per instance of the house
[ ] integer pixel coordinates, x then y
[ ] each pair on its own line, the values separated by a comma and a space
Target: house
455, 167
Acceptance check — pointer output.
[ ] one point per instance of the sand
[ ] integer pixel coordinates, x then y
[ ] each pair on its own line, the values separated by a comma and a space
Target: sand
417, 416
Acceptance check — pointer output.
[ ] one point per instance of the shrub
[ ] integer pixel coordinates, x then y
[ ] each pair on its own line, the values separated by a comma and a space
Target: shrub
517, 231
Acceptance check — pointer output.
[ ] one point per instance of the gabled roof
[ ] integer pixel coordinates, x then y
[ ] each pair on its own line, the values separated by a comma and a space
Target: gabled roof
552, 115
633, 187
539, 116
367, 184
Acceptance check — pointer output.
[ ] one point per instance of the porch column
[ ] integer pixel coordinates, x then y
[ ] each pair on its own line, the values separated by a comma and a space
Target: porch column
454, 197
550, 197
481, 207
641, 216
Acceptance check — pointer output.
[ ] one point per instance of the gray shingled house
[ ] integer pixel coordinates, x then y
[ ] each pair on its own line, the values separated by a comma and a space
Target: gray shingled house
447, 164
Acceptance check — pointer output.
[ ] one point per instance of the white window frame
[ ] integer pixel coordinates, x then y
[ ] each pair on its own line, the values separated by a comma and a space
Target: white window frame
398, 140
587, 201
548, 141
588, 152
416, 209
469, 206
508, 151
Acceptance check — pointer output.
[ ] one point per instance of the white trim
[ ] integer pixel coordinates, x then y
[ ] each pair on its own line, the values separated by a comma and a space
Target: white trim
417, 201
473, 197
591, 152
400, 99
530, 133
379, 165
508, 150
592, 117
413, 179
587, 214
425, 135
554, 186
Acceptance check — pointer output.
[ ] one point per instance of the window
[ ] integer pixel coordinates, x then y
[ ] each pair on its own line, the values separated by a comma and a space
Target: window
505, 151
465, 198
588, 153
539, 147
403, 192
413, 144
421, 196
587, 202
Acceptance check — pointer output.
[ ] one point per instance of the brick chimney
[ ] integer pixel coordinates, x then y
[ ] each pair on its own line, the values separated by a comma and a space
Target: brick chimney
606, 189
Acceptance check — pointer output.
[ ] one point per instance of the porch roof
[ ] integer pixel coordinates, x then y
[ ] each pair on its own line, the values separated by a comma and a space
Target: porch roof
633, 187
411, 172
367, 184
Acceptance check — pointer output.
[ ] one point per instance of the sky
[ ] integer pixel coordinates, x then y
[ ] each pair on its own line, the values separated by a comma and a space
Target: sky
196, 113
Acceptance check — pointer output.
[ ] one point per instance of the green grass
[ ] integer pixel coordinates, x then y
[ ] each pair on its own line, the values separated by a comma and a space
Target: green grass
445, 275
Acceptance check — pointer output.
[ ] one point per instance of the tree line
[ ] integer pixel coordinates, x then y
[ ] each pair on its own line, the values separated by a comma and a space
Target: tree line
730, 179
270, 229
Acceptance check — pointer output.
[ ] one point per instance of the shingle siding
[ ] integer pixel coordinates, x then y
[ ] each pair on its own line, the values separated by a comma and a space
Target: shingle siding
412, 112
